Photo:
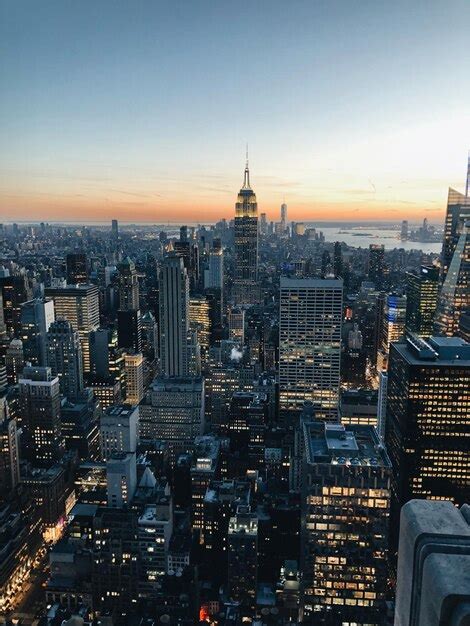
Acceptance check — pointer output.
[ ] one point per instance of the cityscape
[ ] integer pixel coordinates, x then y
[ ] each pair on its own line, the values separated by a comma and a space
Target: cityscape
222, 402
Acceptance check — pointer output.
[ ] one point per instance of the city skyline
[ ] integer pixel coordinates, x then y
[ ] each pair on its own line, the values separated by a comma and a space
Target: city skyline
142, 113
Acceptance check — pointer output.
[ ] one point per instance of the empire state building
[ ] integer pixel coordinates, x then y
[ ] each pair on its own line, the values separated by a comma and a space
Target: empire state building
246, 288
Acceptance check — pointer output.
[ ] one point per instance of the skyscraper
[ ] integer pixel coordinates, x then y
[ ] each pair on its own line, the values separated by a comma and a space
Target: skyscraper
427, 423
376, 264
246, 289
129, 330
174, 413
454, 298
119, 430
134, 372
114, 229
128, 286
76, 268
214, 274
421, 299
236, 325
39, 401
243, 556
14, 360
64, 357
174, 317
310, 344
283, 216
80, 306
404, 230
392, 327
345, 505
458, 212
36, 317
9, 450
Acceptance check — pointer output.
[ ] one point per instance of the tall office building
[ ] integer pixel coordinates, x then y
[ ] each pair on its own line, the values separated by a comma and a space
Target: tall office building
200, 322
149, 336
64, 357
243, 557
246, 288
129, 330
76, 268
404, 230
310, 344
9, 450
433, 583
80, 306
134, 372
345, 507
128, 286
214, 274
106, 359
458, 212
174, 412
454, 298
283, 216
36, 317
114, 229
39, 401
119, 428
376, 268
174, 317
392, 327
421, 300
15, 290
121, 479
14, 361
236, 325
427, 424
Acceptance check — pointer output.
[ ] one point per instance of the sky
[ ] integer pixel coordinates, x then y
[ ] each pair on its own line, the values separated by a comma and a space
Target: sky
141, 110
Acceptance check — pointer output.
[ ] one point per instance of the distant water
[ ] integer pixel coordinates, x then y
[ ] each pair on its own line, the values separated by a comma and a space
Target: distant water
364, 236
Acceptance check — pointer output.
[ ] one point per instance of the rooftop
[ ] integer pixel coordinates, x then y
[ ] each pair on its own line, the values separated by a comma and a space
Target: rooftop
333, 443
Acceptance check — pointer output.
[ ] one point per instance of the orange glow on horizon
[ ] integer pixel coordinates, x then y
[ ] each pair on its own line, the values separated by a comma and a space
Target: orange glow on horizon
69, 209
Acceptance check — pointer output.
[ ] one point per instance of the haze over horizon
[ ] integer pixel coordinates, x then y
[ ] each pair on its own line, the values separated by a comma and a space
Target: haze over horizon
141, 111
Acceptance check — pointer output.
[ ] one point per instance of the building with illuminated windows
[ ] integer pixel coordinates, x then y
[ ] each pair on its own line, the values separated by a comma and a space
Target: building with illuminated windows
76, 268
428, 419
310, 344
246, 288
392, 327
39, 401
134, 371
200, 322
236, 325
421, 300
173, 411
345, 506
128, 286
79, 305
376, 267
64, 357
119, 430
205, 468
243, 556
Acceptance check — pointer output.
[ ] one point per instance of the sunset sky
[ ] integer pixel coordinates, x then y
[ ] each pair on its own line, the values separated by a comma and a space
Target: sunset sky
140, 110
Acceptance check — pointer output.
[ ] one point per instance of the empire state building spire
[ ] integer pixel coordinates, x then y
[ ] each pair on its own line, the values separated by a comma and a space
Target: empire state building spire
246, 180
246, 288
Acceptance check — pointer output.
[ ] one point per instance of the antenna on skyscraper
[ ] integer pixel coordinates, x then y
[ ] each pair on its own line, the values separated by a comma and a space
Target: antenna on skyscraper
467, 184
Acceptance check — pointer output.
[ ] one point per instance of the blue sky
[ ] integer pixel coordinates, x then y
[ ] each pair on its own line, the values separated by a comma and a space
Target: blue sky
143, 108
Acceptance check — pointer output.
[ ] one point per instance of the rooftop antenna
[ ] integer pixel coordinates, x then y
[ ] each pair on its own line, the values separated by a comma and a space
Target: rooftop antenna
246, 181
